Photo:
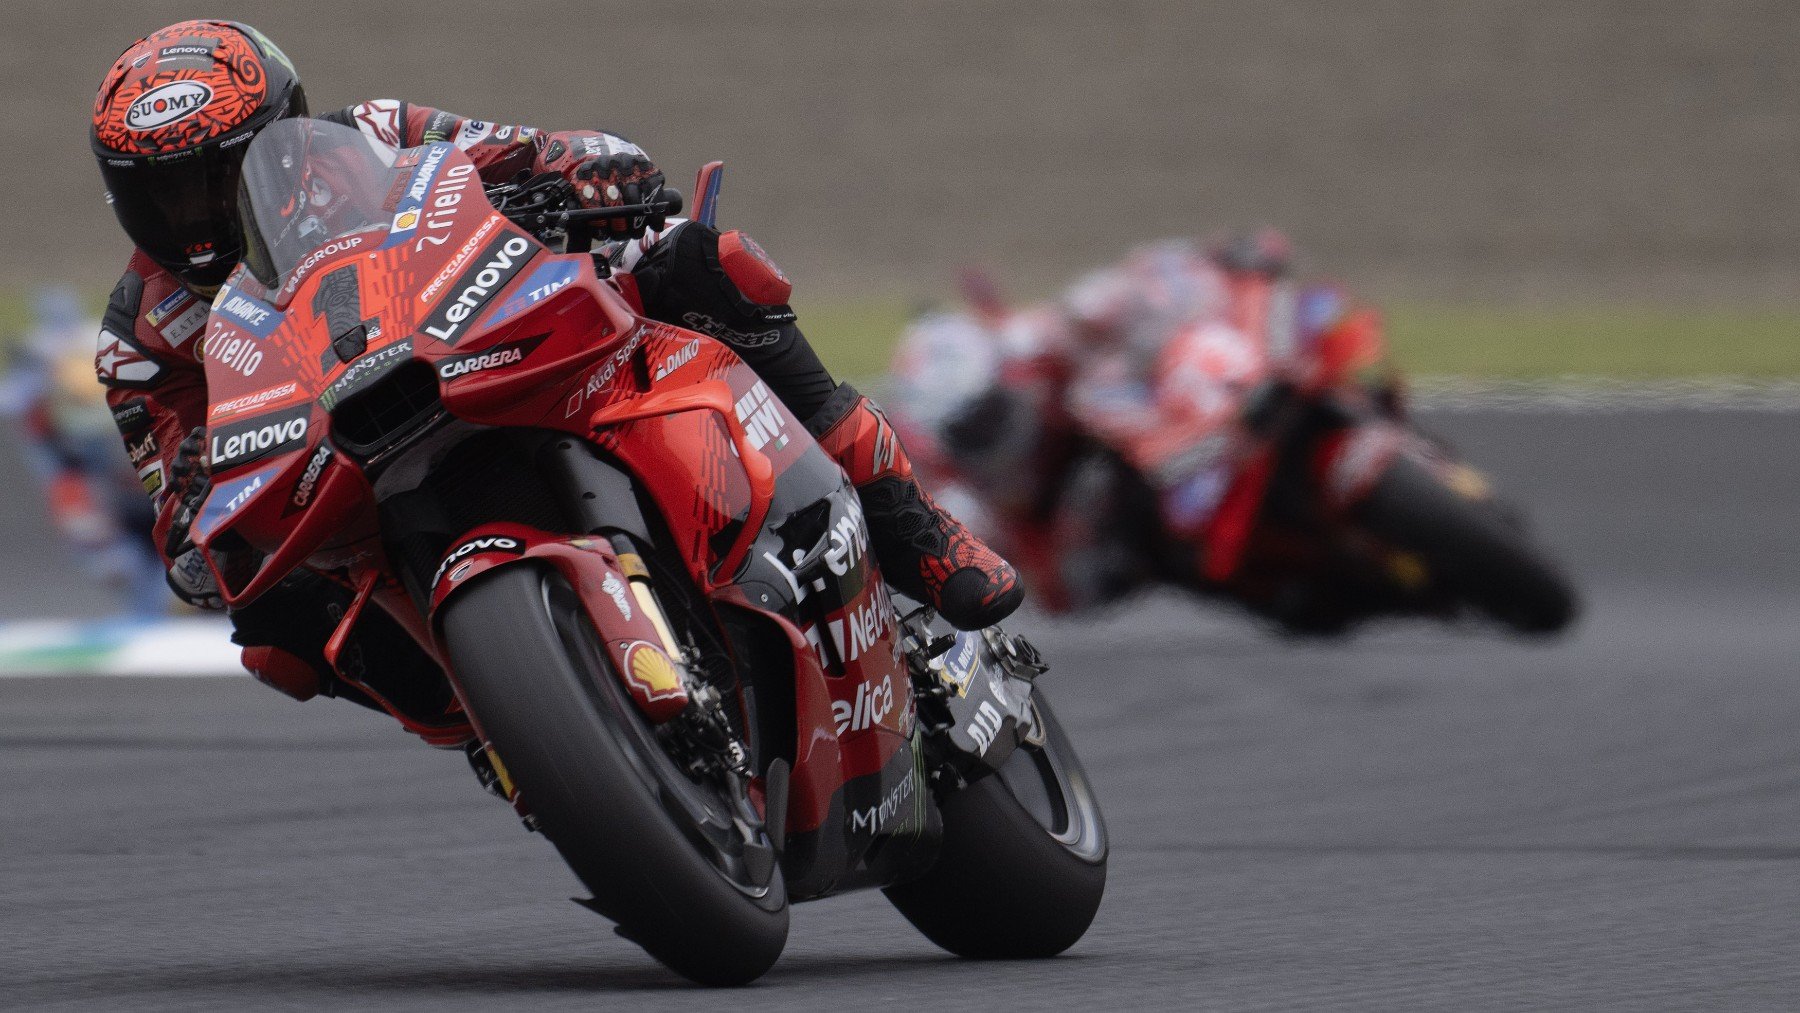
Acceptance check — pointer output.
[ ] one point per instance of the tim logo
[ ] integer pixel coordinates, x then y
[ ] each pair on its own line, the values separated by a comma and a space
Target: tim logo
761, 417
161, 106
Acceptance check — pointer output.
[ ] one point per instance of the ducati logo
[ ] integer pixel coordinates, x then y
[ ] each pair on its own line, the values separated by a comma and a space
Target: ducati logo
166, 104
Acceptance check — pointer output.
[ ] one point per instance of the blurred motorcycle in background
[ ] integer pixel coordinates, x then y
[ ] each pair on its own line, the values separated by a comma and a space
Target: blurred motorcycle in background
1193, 417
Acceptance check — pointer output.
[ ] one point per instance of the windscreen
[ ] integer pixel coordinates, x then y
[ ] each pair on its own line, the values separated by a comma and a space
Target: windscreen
306, 183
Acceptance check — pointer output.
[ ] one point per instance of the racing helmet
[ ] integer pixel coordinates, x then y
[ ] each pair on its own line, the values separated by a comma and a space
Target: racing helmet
171, 122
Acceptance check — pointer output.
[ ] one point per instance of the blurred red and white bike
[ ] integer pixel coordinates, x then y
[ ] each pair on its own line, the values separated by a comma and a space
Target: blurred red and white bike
1198, 420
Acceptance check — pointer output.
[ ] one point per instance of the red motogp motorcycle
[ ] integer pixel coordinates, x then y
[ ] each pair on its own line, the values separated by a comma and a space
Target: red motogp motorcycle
1244, 458
660, 631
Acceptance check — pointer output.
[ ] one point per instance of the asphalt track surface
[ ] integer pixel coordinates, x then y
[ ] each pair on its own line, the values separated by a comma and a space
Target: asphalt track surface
1419, 818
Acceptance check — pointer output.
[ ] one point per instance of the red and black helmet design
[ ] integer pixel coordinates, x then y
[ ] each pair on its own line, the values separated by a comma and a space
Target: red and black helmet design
171, 122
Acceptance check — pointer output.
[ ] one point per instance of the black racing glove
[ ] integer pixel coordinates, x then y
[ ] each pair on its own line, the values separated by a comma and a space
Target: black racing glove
615, 180
189, 482
189, 575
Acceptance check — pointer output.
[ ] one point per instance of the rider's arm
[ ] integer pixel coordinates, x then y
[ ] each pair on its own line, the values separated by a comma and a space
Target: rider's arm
148, 361
499, 151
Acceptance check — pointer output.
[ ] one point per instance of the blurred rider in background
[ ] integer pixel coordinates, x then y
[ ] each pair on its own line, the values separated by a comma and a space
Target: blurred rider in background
1039, 388
171, 122
95, 494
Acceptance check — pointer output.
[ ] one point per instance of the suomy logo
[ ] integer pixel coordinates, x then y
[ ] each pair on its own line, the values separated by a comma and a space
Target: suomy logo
163, 105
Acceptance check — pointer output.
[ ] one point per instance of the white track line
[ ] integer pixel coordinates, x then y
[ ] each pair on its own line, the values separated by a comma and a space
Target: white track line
172, 647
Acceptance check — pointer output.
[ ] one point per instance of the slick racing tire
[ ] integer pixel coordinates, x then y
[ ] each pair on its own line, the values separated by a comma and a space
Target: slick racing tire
1475, 547
1023, 863
639, 833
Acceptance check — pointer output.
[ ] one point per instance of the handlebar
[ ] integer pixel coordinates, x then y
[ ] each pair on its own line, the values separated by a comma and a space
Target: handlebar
538, 221
670, 204
540, 206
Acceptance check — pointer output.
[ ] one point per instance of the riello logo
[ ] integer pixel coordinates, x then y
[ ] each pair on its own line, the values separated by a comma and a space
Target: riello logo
167, 103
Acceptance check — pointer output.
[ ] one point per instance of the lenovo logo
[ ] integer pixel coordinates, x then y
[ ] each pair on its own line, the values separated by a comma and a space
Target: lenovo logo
497, 266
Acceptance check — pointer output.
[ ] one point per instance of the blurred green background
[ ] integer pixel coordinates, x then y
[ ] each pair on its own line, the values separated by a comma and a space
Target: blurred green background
1493, 341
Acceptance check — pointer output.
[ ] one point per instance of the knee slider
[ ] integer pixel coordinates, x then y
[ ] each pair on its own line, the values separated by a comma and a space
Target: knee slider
749, 268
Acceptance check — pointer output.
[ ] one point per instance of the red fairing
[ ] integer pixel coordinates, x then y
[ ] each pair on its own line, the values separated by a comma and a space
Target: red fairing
1347, 463
148, 357
853, 701
445, 292
279, 670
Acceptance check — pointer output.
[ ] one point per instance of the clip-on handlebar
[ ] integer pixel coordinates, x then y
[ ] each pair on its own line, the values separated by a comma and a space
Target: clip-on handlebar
540, 206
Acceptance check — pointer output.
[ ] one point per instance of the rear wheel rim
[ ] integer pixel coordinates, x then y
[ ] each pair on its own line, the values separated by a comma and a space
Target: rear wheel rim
1056, 793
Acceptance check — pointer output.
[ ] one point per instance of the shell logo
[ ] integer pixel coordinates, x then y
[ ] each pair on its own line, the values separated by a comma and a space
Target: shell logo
166, 104
652, 669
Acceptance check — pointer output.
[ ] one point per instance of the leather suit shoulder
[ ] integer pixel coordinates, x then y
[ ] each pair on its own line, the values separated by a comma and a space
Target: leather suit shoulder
152, 324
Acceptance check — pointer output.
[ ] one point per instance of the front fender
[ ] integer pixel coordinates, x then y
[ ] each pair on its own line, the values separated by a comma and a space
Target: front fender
603, 584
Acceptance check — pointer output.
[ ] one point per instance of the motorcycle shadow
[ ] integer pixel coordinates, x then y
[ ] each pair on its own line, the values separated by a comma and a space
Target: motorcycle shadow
473, 975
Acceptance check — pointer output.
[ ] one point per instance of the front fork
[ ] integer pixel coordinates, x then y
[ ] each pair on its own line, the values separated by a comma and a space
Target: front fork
617, 595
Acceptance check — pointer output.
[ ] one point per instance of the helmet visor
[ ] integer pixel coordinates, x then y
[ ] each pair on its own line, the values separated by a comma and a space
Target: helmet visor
182, 211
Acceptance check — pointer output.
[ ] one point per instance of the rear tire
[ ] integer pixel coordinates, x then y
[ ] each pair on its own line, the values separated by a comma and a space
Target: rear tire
1023, 863
607, 796
1473, 546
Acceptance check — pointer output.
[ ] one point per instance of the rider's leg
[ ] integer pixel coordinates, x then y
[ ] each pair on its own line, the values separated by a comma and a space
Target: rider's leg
726, 287
924, 551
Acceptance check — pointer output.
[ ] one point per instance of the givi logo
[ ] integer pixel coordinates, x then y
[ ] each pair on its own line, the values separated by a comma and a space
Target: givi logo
167, 103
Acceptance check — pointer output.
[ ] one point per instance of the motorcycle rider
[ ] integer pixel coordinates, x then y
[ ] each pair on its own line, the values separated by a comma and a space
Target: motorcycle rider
171, 122
1090, 367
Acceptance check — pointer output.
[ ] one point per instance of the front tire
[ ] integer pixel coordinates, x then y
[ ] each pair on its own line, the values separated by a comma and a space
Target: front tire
1477, 549
628, 821
1023, 863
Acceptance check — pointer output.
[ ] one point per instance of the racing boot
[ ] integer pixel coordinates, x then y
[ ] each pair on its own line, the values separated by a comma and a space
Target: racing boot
924, 552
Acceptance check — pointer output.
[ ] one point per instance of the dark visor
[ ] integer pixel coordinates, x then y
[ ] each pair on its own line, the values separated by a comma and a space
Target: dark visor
181, 211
